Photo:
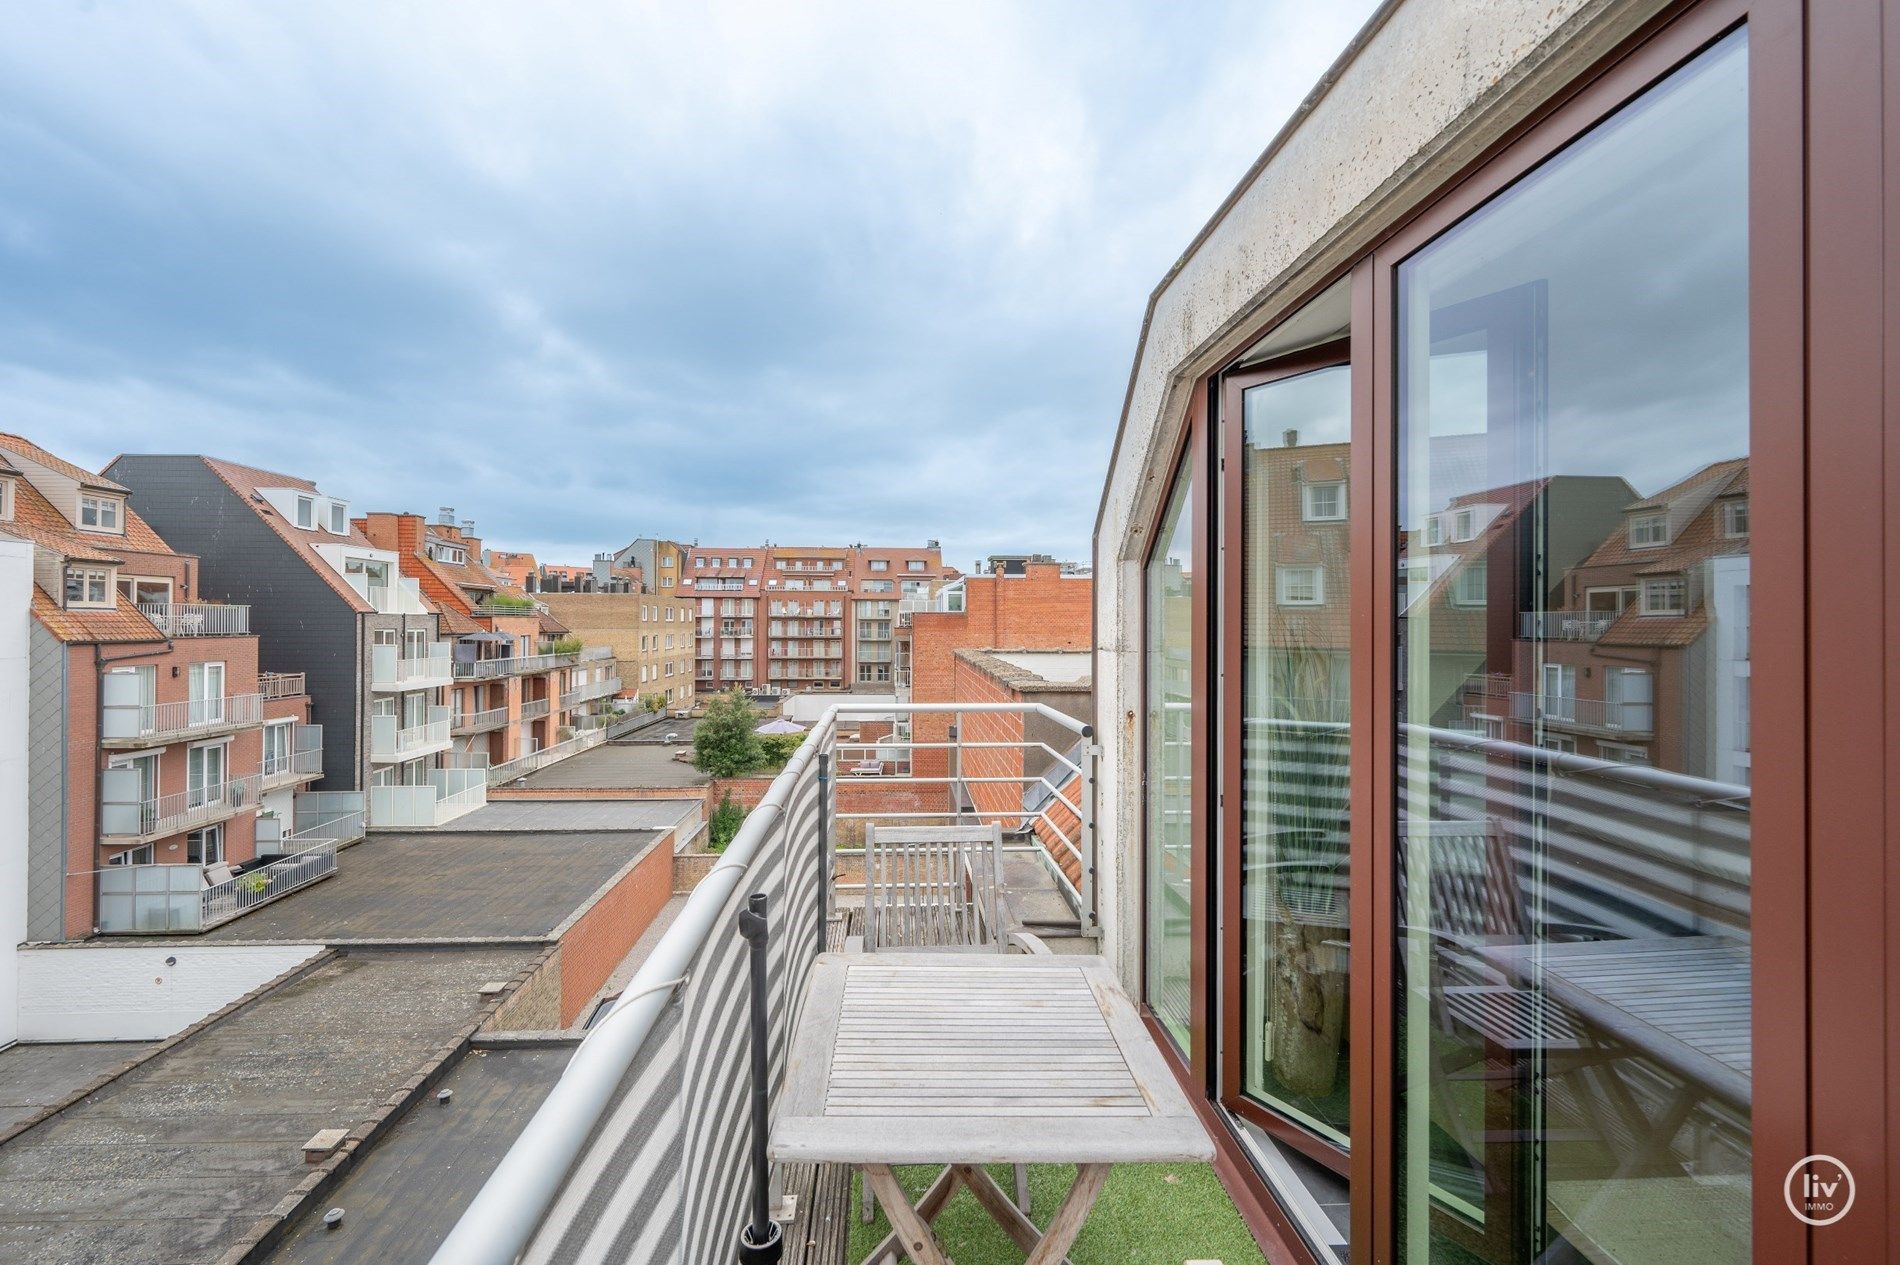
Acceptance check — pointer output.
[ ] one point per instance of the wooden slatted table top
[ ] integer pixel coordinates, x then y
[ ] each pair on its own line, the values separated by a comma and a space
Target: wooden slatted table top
977, 1058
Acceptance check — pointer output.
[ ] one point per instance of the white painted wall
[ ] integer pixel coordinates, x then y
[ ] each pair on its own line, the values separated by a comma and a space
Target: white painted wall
103, 992
16, 605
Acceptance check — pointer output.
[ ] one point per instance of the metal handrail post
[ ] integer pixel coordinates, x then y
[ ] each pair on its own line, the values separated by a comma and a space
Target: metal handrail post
1087, 832
761, 1242
827, 894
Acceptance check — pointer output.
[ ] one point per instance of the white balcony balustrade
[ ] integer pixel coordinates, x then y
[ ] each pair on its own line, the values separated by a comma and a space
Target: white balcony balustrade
1564, 625
127, 816
511, 665
135, 724
305, 761
390, 740
198, 619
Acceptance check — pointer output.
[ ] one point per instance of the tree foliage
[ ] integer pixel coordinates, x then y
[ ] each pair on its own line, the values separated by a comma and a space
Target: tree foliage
724, 743
654, 702
724, 823
780, 747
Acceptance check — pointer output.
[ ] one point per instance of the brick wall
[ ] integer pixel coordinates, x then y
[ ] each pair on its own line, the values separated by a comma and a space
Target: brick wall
974, 683
596, 941
1038, 610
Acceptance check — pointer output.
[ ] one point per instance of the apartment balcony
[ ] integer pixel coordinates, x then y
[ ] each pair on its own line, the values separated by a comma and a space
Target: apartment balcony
274, 685
1593, 715
1564, 625
478, 722
523, 765
535, 709
450, 792
314, 816
512, 665
587, 693
127, 817
302, 764
679, 1174
390, 670
198, 619
404, 597
154, 724
166, 899
390, 741
492, 607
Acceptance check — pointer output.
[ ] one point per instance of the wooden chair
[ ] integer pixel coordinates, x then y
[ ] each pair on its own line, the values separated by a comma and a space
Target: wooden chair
934, 887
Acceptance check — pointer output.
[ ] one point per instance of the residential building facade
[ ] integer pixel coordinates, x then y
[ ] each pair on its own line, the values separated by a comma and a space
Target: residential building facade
1488, 859
661, 563
329, 603
794, 619
650, 635
160, 757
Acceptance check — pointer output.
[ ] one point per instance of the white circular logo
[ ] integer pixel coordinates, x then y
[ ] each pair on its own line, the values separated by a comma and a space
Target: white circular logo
1819, 1189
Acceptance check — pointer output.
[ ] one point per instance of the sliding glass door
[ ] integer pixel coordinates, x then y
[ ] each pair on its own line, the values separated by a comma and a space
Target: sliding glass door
1169, 668
1572, 881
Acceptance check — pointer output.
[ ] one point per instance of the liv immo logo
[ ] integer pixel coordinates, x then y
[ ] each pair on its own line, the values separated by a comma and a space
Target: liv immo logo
1819, 1189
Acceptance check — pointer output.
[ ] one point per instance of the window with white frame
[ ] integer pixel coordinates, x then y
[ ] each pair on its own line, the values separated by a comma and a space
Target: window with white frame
89, 586
144, 588
1559, 698
6, 500
1735, 519
1464, 525
339, 518
1469, 585
205, 847
1434, 530
915, 564
1300, 586
1623, 753
880, 564
1323, 502
277, 747
1666, 595
141, 855
306, 512
101, 513
1554, 742
1647, 531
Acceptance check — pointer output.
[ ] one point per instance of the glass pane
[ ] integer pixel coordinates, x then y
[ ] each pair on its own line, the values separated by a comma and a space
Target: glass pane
1170, 619
1294, 752
1573, 869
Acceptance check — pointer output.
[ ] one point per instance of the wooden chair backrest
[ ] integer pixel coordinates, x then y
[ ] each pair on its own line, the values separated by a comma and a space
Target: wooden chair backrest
934, 887
1473, 887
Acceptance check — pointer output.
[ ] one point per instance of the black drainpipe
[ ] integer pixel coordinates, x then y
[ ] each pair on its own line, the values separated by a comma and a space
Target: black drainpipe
761, 1242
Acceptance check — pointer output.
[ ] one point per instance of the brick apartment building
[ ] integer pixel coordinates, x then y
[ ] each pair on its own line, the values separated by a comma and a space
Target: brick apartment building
328, 602
159, 755
651, 636
803, 618
518, 687
1043, 606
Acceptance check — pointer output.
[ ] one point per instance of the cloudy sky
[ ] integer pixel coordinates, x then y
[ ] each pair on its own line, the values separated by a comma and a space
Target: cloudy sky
806, 272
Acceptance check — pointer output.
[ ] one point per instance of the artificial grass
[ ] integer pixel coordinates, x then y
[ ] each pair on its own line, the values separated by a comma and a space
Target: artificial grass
1148, 1214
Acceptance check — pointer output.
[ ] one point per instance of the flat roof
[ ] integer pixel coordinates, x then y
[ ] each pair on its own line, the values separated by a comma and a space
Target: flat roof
34, 1077
541, 816
1059, 667
448, 885
400, 1202
619, 766
180, 1157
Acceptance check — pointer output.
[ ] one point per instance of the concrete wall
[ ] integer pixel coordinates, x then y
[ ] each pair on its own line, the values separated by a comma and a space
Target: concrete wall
131, 993
16, 597
1419, 98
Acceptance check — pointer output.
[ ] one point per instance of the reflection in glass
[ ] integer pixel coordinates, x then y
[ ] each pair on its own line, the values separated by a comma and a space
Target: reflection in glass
1573, 835
1170, 622
1294, 665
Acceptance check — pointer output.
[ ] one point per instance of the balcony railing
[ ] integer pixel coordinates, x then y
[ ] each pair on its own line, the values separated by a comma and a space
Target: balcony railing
221, 902
198, 619
390, 741
511, 665
480, 722
1610, 716
450, 792
328, 815
491, 607
1564, 625
280, 684
153, 723
523, 765
587, 693
139, 820
294, 766
676, 1044
390, 669
535, 708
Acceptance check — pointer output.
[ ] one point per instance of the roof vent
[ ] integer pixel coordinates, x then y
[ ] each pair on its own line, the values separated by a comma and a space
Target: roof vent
445, 515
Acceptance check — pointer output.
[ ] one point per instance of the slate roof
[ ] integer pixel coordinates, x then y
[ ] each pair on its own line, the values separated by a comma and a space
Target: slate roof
246, 480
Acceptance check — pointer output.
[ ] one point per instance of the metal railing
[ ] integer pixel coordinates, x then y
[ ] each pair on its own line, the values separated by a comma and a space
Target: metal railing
327, 815
509, 770
480, 722
221, 902
198, 619
535, 708
663, 1179
280, 684
163, 722
511, 665
290, 765
1564, 625
1587, 713
388, 742
196, 806
390, 669
586, 693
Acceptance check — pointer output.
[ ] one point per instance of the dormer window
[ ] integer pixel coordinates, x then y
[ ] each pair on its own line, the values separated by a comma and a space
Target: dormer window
6, 500
101, 513
1322, 502
339, 518
1647, 531
1464, 525
1434, 530
1666, 595
89, 587
307, 512
1735, 519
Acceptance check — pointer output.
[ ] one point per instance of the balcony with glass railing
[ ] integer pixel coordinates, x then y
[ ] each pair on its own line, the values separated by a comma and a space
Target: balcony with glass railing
154, 724
391, 741
457, 786
302, 763
128, 817
393, 668
589, 692
198, 619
